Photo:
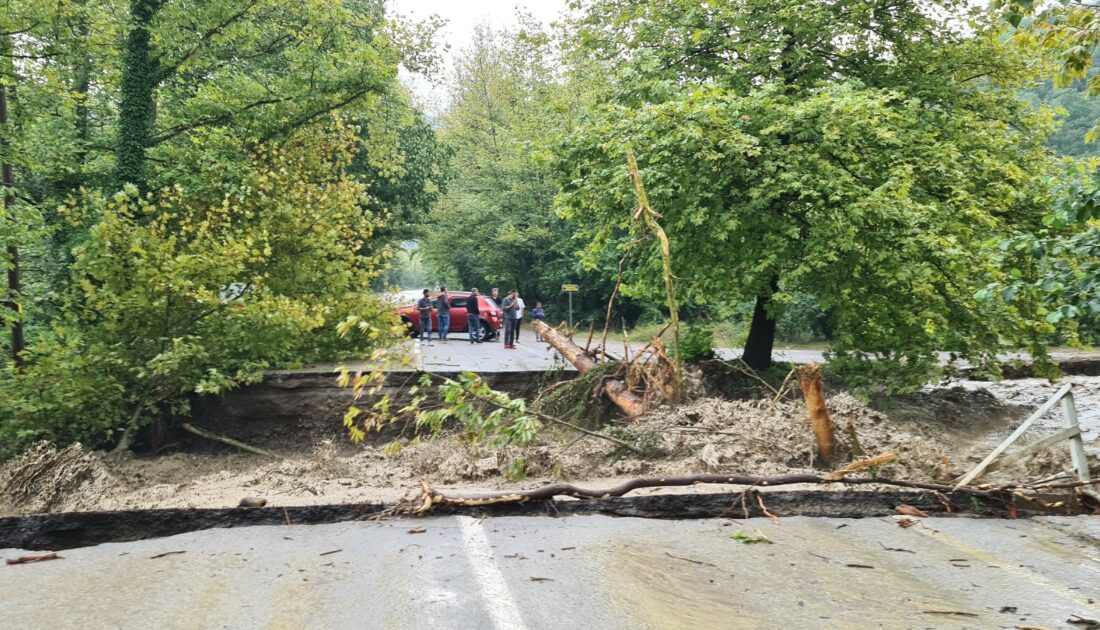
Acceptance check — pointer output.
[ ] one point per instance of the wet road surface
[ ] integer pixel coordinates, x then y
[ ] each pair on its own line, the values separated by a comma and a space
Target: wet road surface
576, 572
458, 354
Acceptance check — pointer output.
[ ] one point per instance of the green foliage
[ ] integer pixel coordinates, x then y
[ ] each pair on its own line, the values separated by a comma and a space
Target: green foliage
406, 167
1058, 265
1063, 257
292, 64
749, 539
1068, 30
496, 226
875, 178
803, 320
482, 414
1077, 113
573, 400
205, 88
696, 343
257, 223
176, 294
466, 401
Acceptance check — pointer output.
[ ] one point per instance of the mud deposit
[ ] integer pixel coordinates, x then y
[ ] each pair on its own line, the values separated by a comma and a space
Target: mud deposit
937, 433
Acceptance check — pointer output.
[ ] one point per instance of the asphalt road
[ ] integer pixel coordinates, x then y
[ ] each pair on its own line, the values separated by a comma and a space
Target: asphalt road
576, 572
457, 354
491, 356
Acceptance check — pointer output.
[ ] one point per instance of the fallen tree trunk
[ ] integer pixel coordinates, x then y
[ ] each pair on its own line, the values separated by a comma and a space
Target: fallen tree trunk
630, 403
226, 440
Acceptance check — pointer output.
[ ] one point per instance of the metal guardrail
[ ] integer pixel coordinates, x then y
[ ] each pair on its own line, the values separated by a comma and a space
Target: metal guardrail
1072, 433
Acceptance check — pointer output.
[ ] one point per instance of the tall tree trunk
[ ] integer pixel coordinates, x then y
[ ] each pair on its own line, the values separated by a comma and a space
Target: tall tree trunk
137, 107
761, 340
7, 188
82, 82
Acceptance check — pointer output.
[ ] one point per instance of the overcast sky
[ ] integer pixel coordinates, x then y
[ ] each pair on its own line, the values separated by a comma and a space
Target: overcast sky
462, 16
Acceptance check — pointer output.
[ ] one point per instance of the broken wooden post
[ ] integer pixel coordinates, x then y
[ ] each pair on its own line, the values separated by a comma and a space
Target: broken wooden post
630, 403
813, 390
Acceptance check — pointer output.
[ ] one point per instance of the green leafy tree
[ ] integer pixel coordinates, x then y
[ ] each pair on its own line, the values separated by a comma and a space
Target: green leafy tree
1069, 30
177, 294
406, 167
1064, 253
860, 152
1077, 113
253, 70
496, 226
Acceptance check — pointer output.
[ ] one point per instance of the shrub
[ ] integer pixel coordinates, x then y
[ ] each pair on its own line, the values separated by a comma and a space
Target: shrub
174, 295
696, 343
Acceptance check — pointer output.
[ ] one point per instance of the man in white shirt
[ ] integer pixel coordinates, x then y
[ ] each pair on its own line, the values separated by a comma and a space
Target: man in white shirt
519, 315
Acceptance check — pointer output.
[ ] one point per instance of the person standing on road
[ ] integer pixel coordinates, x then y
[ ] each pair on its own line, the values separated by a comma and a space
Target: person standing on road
519, 316
444, 313
539, 315
473, 316
509, 308
424, 309
494, 297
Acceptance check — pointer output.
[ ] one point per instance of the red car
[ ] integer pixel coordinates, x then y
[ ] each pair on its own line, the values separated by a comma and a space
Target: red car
491, 316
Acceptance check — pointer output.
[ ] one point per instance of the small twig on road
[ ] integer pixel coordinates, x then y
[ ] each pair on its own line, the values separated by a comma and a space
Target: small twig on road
34, 557
699, 562
764, 509
166, 553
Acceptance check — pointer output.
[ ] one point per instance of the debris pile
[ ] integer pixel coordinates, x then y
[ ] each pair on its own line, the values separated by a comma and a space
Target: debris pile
45, 479
937, 436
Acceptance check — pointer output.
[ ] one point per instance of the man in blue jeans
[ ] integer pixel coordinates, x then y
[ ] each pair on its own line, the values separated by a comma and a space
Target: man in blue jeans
424, 309
510, 307
473, 317
444, 309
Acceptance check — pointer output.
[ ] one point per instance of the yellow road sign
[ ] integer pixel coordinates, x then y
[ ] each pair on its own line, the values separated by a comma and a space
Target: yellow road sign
570, 288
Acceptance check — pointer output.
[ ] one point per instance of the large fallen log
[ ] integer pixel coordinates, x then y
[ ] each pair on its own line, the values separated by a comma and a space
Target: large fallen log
630, 403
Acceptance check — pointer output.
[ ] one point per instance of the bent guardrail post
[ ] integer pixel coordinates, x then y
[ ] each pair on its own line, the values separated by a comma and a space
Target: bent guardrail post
1072, 432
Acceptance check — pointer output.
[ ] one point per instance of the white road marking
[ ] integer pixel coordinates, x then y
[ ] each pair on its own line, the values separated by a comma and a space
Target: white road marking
499, 603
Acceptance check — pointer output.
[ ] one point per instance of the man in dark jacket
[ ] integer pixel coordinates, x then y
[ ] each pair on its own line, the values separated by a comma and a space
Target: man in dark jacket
473, 317
424, 310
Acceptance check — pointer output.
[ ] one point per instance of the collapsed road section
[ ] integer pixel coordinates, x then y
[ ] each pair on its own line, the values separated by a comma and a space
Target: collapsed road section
77, 529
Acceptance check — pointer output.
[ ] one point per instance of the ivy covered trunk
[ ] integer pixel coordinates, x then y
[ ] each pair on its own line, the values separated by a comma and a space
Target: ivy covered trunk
137, 108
